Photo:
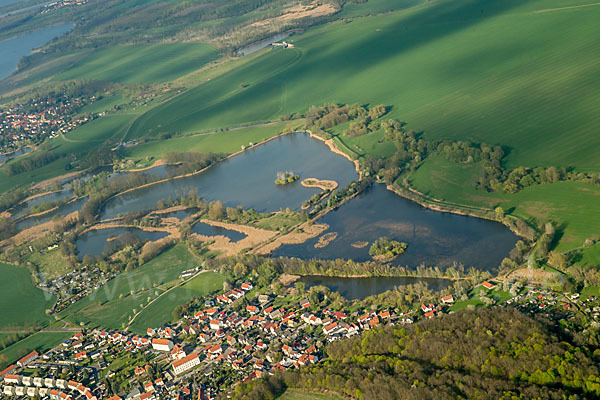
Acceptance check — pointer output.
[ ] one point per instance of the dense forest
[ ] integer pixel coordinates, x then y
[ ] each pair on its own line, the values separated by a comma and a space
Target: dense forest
485, 354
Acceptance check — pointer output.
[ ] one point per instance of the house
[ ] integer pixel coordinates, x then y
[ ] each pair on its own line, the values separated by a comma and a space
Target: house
246, 286
162, 344
215, 324
81, 355
27, 359
7, 370
330, 328
448, 299
12, 379
177, 353
185, 364
488, 285
429, 314
149, 332
252, 309
428, 308
304, 303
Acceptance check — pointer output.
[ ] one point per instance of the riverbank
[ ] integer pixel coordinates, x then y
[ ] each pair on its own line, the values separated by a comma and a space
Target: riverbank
442, 206
332, 146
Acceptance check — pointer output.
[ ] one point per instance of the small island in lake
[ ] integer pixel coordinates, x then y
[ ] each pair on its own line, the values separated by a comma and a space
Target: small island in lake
283, 178
386, 250
323, 184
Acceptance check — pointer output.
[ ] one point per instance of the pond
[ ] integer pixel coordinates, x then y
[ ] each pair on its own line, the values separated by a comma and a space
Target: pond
25, 207
209, 230
248, 178
9, 156
14, 49
179, 214
95, 242
254, 47
359, 288
433, 237
63, 210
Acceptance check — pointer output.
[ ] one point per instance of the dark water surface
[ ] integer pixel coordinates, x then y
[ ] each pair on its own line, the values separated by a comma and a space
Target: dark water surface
248, 178
12, 50
208, 230
359, 288
433, 237
63, 210
94, 242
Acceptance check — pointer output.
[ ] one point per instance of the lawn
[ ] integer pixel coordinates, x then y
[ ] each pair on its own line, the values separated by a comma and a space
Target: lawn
50, 264
573, 207
112, 305
141, 63
297, 394
160, 312
22, 304
486, 71
41, 342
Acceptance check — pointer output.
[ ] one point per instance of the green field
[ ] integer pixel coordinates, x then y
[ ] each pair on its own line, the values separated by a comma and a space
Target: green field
590, 256
482, 70
41, 342
21, 303
137, 64
226, 142
297, 394
160, 312
572, 206
112, 305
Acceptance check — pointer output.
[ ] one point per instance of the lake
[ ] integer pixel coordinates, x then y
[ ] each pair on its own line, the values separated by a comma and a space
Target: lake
433, 237
95, 242
248, 178
359, 288
14, 49
209, 230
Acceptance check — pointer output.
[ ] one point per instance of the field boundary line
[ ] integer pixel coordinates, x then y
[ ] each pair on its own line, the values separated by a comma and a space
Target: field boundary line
566, 8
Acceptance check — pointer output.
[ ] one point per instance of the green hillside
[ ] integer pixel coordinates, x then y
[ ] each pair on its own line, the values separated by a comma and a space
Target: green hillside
481, 70
136, 64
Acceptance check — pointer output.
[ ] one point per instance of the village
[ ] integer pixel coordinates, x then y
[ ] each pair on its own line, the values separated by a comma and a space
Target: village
233, 337
34, 122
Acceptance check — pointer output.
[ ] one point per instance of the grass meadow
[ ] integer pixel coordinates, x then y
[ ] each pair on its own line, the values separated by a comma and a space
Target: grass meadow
141, 63
112, 305
160, 312
225, 142
21, 303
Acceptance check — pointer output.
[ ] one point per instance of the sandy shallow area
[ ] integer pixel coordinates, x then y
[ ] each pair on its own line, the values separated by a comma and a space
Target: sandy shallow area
322, 184
254, 237
306, 232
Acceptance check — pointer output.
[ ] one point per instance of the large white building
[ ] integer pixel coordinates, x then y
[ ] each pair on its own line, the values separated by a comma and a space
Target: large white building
186, 363
162, 344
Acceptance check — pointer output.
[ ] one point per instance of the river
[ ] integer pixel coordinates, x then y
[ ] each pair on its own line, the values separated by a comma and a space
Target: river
12, 50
